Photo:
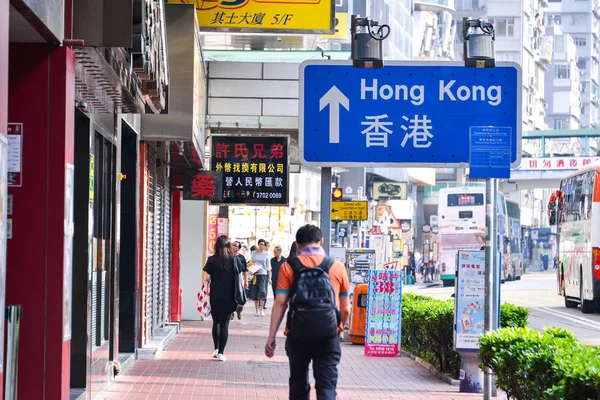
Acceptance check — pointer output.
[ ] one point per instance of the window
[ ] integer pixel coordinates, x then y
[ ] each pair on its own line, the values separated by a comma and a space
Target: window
578, 191
583, 110
508, 56
582, 64
585, 87
561, 123
505, 27
559, 43
580, 41
578, 19
561, 72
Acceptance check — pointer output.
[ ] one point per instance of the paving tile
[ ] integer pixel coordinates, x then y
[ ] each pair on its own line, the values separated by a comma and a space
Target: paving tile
186, 370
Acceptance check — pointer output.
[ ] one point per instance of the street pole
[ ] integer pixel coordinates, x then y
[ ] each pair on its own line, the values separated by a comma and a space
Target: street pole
326, 207
491, 270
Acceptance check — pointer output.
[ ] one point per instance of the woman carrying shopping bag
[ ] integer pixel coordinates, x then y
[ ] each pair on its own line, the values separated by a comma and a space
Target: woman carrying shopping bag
222, 271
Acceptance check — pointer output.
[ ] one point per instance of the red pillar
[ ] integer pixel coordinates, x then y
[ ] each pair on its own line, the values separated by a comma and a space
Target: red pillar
4, 19
41, 96
175, 248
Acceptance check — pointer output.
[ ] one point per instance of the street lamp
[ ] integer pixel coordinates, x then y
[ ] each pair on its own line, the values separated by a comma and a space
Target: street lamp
479, 38
367, 44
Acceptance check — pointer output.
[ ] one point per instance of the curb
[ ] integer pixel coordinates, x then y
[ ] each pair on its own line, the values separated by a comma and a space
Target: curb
444, 377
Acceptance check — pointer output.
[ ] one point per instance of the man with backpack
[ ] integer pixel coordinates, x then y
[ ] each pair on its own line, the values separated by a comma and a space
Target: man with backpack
317, 289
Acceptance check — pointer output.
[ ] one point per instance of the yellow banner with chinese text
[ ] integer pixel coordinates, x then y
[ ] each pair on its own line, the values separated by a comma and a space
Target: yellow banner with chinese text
264, 16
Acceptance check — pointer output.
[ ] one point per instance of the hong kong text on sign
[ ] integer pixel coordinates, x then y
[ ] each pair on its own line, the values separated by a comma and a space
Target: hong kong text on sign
403, 114
349, 210
289, 16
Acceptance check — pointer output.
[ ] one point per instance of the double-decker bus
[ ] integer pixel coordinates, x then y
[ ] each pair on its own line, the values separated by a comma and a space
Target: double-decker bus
575, 211
461, 225
514, 266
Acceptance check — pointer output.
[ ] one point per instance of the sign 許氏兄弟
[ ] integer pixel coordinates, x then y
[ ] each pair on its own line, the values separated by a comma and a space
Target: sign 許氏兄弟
202, 185
349, 210
470, 299
255, 169
405, 114
384, 313
264, 16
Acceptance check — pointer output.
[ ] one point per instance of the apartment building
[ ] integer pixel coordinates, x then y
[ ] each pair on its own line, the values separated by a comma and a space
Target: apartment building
520, 37
581, 20
434, 30
563, 84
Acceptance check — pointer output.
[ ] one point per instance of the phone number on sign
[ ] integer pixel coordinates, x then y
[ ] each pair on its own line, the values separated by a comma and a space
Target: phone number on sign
262, 195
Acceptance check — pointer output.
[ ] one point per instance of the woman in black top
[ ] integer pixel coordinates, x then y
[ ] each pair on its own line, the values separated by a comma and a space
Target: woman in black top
219, 268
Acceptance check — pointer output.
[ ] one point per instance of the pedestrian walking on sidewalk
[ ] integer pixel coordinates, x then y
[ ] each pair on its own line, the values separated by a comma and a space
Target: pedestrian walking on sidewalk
276, 263
220, 272
235, 247
318, 287
262, 276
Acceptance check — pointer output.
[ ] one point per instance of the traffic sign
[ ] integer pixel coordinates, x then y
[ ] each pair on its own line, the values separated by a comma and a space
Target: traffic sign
349, 211
405, 114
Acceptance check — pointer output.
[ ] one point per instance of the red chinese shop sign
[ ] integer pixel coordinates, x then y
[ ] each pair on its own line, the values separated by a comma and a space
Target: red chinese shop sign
384, 313
556, 163
255, 169
202, 185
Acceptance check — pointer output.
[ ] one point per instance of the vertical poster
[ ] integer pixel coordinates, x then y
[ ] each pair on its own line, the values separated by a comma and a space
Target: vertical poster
384, 313
15, 154
470, 298
213, 215
255, 169
68, 251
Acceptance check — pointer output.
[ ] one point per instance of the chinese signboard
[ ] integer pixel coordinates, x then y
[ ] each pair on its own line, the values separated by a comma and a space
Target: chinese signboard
264, 16
255, 169
470, 298
556, 163
349, 210
213, 215
15, 154
384, 313
202, 185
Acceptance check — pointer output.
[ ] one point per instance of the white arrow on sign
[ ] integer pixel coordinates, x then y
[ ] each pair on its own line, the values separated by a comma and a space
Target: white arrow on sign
334, 98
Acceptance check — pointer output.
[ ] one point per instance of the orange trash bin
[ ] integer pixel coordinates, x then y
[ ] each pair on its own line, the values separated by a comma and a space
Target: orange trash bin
358, 325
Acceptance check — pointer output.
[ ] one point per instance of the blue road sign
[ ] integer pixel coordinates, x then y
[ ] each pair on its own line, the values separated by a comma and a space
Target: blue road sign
490, 152
405, 114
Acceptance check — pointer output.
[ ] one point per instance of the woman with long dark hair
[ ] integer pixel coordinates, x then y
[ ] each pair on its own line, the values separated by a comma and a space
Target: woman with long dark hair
293, 251
220, 271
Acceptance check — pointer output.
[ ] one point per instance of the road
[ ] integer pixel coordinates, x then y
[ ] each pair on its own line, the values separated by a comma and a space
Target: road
537, 292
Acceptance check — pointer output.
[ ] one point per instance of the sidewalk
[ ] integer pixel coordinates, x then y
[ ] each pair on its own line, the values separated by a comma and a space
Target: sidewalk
186, 370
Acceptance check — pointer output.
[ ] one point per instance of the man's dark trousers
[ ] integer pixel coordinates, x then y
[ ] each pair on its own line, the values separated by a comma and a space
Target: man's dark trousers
325, 356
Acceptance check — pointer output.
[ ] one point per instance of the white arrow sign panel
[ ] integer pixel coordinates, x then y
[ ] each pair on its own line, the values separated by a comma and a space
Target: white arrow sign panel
334, 99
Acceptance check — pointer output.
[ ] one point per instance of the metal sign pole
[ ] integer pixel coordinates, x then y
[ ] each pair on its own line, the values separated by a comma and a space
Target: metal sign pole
326, 207
491, 270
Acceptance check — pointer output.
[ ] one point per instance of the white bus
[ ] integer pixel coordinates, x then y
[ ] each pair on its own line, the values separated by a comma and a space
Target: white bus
575, 211
515, 266
461, 212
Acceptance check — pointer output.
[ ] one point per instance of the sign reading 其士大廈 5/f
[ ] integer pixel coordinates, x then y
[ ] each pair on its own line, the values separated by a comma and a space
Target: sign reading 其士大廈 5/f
264, 16
405, 114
